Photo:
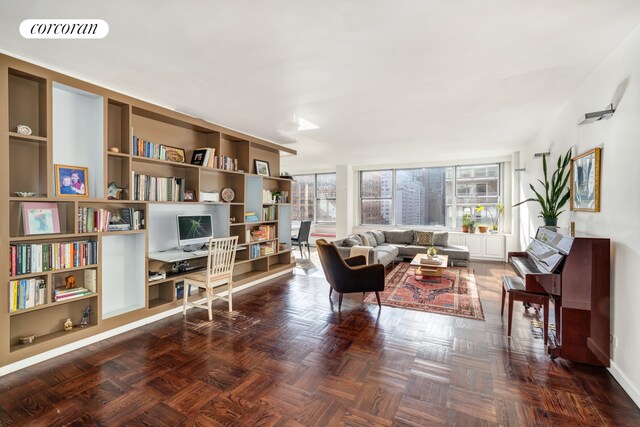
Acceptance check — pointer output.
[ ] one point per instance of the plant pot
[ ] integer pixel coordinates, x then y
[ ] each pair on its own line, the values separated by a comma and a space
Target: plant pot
482, 228
465, 228
550, 222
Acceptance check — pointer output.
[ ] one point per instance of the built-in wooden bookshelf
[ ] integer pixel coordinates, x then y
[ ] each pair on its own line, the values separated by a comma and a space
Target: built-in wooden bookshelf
77, 123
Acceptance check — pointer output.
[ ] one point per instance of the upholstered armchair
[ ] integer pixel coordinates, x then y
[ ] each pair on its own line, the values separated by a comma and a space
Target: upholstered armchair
349, 275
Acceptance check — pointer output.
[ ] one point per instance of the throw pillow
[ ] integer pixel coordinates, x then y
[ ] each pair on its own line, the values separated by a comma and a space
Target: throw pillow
351, 241
368, 239
440, 238
424, 238
399, 237
379, 235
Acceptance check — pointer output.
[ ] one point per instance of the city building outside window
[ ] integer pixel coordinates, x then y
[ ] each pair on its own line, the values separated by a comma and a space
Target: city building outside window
437, 196
313, 197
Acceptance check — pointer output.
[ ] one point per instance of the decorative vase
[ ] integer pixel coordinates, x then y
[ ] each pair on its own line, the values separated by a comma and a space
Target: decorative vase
482, 228
465, 228
550, 222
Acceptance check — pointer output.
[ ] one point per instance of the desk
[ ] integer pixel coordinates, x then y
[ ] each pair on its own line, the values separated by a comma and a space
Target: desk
177, 255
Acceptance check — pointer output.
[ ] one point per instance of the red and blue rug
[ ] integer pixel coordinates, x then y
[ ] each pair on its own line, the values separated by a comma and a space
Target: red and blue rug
454, 293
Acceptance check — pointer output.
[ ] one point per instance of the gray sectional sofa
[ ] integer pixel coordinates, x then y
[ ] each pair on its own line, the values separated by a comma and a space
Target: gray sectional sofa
392, 245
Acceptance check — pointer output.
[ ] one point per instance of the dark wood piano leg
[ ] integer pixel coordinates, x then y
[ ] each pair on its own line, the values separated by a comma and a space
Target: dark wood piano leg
504, 294
510, 314
545, 327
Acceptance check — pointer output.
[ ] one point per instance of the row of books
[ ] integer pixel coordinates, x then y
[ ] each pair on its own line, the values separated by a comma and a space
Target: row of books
269, 213
91, 220
41, 257
262, 249
263, 232
226, 163
251, 217
279, 196
143, 148
61, 294
205, 157
27, 293
158, 189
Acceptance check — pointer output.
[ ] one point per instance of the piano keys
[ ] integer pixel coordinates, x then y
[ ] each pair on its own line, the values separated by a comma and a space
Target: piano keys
574, 272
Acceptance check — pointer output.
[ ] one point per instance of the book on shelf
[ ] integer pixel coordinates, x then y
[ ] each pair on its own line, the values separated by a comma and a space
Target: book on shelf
90, 279
41, 257
157, 189
99, 220
262, 249
251, 217
226, 163
60, 294
133, 217
269, 213
263, 232
26, 293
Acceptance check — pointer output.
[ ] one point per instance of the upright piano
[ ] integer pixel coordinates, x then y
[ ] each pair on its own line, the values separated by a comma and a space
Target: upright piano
574, 272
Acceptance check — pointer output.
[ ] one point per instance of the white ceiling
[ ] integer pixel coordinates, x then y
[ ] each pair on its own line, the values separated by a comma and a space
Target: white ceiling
386, 81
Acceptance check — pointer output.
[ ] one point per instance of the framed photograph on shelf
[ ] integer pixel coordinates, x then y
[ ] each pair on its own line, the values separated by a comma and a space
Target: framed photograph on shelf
40, 218
585, 181
189, 196
198, 156
72, 181
175, 154
262, 167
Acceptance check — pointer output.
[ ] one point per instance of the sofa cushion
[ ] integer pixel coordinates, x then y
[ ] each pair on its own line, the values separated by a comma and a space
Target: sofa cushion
440, 238
368, 239
392, 249
379, 235
399, 236
412, 250
351, 241
423, 238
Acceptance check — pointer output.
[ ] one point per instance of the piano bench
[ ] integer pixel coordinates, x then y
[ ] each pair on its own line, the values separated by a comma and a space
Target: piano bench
515, 287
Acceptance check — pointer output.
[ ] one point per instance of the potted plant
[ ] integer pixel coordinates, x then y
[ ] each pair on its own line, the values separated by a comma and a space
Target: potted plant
468, 224
483, 228
432, 252
555, 192
495, 220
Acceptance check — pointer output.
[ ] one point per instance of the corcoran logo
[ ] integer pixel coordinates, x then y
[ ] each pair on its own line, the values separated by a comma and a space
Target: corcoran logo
64, 29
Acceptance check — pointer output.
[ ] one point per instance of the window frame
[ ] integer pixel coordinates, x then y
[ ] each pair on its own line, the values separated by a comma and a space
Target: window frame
315, 198
392, 198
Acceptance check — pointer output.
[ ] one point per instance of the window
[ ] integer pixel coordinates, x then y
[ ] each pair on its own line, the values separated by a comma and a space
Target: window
429, 196
376, 197
314, 197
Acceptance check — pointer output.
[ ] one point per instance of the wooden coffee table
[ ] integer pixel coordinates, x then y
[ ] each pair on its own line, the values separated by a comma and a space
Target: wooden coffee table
429, 269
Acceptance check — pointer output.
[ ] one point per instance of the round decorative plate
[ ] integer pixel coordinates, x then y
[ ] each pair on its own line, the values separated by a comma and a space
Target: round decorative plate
228, 195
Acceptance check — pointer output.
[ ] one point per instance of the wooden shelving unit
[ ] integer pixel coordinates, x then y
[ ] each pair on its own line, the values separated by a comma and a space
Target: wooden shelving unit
106, 122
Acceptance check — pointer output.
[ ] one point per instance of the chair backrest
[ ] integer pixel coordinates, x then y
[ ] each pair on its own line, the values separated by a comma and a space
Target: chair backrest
305, 229
332, 263
222, 255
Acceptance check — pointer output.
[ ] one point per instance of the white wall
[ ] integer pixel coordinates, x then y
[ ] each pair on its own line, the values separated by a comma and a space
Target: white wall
617, 80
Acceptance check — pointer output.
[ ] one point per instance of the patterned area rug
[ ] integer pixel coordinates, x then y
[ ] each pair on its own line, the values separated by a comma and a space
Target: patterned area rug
455, 293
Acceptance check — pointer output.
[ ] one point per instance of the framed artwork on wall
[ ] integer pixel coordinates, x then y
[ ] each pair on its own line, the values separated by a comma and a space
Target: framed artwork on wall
40, 218
262, 167
585, 181
72, 181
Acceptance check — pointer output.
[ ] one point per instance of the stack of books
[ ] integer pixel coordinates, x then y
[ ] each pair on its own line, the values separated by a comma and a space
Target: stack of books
269, 213
251, 217
430, 261
157, 189
26, 293
264, 232
68, 294
226, 163
40, 257
267, 196
267, 248
133, 217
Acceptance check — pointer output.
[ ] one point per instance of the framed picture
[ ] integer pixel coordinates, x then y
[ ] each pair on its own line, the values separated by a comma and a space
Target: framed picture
189, 196
198, 156
175, 154
72, 181
585, 181
262, 167
40, 218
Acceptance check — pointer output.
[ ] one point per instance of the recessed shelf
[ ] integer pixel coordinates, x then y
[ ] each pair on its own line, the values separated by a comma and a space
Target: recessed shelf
48, 337
123, 155
34, 138
49, 237
52, 304
63, 270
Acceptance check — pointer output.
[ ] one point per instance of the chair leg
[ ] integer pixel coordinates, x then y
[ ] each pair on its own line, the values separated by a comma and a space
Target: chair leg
330, 291
230, 295
340, 302
209, 301
308, 249
545, 322
185, 297
510, 314
378, 298
300, 247
504, 294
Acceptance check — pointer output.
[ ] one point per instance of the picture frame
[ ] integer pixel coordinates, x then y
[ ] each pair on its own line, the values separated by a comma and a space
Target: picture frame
175, 154
198, 157
262, 167
71, 181
40, 218
189, 196
585, 182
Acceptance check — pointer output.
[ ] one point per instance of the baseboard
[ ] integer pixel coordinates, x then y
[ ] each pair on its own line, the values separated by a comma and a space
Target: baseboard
625, 383
29, 361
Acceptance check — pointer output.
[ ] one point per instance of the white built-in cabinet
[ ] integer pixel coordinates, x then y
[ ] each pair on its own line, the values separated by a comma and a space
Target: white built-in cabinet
482, 246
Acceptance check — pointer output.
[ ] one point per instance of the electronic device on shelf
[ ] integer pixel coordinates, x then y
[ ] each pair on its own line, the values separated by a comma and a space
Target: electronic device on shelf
156, 275
193, 230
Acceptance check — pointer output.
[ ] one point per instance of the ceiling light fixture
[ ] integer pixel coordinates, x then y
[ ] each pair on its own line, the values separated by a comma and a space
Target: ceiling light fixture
304, 124
598, 115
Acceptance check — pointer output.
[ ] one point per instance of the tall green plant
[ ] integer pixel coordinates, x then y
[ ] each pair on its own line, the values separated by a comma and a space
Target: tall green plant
555, 192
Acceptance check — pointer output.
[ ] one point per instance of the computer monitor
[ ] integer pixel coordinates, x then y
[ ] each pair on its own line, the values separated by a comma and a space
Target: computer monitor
194, 229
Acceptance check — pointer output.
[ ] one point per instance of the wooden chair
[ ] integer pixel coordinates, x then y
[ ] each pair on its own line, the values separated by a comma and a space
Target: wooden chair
515, 287
349, 275
303, 237
219, 272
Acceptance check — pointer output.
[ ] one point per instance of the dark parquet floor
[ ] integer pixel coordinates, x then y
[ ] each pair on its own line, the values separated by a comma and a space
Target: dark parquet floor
287, 357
